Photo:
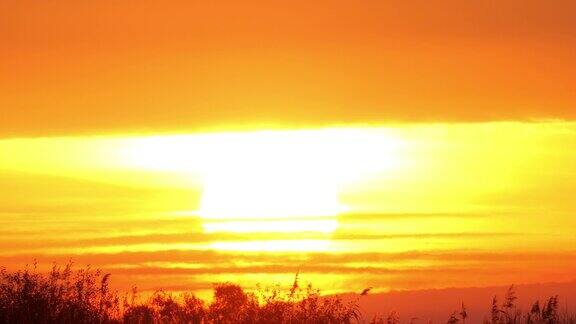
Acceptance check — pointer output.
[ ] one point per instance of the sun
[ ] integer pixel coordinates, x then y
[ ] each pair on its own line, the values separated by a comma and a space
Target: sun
270, 181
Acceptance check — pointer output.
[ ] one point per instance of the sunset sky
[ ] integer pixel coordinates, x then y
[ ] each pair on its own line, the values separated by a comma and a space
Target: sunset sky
394, 144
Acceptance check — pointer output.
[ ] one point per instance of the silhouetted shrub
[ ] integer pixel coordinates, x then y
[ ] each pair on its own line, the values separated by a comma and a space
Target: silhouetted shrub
139, 314
61, 296
65, 296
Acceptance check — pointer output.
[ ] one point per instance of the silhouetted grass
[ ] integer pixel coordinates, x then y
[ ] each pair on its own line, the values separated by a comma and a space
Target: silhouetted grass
61, 296
507, 313
83, 296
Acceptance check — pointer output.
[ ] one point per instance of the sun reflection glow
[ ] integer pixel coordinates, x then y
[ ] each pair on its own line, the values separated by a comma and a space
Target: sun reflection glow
297, 225
274, 246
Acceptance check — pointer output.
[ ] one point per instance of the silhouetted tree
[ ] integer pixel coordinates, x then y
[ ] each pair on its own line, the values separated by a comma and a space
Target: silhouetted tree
231, 304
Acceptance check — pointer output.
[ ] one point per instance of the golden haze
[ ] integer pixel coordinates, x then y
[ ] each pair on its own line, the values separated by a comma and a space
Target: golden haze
348, 206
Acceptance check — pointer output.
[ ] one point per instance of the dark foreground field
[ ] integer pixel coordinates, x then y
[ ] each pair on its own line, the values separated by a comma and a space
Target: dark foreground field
65, 295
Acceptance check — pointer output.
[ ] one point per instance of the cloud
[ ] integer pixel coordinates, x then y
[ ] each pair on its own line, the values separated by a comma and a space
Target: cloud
190, 269
200, 237
108, 260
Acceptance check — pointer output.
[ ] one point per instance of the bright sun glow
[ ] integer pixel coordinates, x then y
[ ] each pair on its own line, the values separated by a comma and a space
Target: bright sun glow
254, 181
274, 245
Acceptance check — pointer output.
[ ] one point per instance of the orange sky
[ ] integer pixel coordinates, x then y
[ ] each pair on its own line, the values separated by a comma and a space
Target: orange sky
432, 141
71, 67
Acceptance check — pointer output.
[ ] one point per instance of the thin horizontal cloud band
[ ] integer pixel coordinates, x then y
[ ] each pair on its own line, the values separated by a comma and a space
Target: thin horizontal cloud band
179, 256
199, 237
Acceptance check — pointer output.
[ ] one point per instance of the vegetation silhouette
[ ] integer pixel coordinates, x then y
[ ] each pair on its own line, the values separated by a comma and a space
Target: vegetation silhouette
64, 295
